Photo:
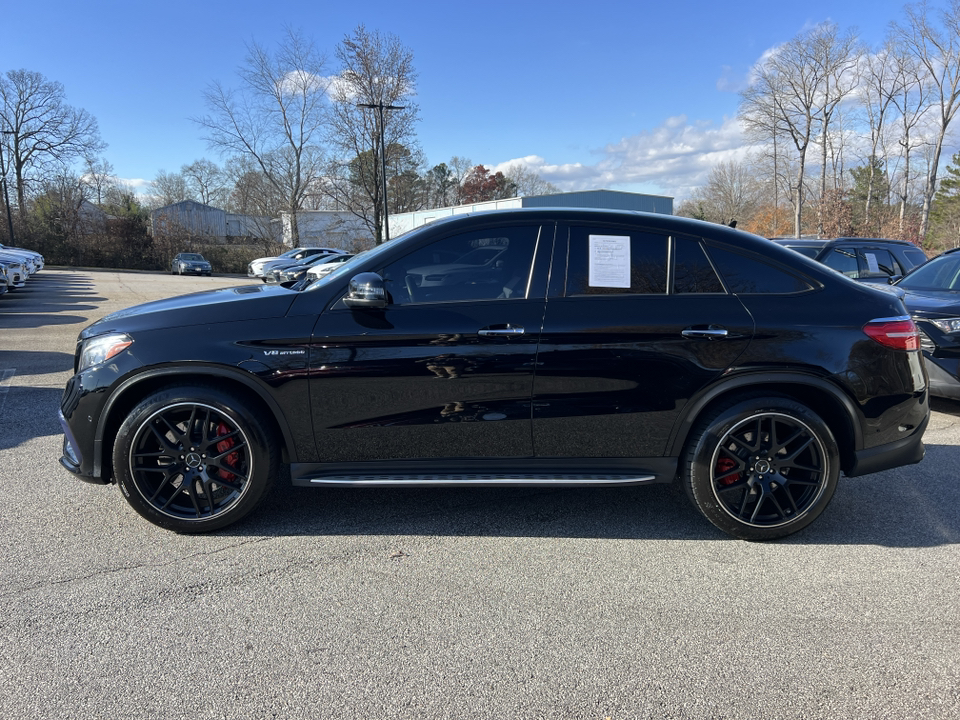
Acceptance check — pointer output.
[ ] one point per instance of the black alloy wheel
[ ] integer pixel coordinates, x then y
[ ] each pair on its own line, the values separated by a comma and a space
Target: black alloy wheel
762, 468
193, 459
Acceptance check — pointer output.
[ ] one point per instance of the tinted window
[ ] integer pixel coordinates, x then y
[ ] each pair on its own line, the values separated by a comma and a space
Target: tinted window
844, 260
878, 262
692, 272
915, 256
480, 265
746, 274
616, 261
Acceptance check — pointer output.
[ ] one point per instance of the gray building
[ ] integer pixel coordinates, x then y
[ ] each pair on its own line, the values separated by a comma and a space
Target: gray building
190, 218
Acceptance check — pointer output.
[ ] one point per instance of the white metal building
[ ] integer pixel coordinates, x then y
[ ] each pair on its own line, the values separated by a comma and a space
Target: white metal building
609, 199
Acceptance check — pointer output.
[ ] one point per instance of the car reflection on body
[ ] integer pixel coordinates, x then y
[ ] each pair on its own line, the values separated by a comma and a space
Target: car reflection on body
546, 347
190, 264
932, 296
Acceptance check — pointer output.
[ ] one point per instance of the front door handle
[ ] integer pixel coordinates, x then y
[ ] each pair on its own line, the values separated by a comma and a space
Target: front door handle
711, 332
500, 331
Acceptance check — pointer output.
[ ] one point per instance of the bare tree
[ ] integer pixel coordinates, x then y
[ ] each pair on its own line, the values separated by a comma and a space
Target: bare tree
782, 102
168, 188
98, 176
882, 82
732, 193
205, 182
528, 182
42, 134
937, 50
276, 120
460, 168
376, 71
837, 59
795, 93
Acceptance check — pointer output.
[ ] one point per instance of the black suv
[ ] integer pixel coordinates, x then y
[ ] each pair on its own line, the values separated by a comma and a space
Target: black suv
550, 347
865, 259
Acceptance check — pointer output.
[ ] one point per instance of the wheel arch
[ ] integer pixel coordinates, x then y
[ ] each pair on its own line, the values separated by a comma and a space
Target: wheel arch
834, 407
132, 390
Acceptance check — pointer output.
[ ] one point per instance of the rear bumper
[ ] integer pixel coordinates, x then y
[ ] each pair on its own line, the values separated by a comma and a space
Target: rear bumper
908, 450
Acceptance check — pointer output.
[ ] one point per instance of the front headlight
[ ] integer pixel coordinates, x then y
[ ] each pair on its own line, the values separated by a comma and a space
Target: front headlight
947, 325
100, 349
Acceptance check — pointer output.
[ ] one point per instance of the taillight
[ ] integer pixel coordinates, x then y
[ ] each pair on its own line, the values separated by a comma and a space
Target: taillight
899, 333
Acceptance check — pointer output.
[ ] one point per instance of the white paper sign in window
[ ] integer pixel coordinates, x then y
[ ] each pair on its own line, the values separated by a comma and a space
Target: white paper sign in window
872, 264
610, 261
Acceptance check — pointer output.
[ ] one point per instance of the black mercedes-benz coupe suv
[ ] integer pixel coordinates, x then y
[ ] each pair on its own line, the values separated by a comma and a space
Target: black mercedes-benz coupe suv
550, 347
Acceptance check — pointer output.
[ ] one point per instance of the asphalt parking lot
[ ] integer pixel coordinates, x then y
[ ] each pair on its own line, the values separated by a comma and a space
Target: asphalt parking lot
445, 603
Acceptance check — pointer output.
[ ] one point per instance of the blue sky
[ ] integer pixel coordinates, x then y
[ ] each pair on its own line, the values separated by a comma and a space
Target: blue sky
637, 96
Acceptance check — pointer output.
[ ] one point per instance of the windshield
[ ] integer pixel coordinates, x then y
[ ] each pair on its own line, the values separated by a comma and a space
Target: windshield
942, 273
191, 257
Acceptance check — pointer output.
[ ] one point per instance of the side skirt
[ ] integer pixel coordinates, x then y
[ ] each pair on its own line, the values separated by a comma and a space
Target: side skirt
478, 473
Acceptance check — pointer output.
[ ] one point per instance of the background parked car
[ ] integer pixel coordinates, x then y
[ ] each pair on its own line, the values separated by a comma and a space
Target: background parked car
932, 297
261, 266
15, 270
289, 274
865, 259
4, 279
190, 264
32, 260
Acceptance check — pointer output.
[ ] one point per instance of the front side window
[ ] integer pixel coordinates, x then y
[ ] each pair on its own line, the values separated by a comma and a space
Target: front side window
491, 264
614, 261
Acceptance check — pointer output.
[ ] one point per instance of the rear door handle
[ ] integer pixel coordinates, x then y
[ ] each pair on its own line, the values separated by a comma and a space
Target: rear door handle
711, 332
500, 331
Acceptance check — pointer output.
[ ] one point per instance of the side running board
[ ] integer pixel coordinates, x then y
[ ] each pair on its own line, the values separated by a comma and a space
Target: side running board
470, 479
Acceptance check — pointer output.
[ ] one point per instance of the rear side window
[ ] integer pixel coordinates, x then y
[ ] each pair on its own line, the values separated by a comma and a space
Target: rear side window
878, 262
843, 260
616, 261
693, 272
749, 274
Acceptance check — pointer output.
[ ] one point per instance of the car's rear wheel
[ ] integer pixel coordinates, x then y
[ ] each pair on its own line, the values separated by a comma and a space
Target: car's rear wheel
761, 467
194, 459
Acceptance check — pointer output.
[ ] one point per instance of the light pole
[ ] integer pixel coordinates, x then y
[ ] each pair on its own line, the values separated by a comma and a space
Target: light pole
383, 158
6, 192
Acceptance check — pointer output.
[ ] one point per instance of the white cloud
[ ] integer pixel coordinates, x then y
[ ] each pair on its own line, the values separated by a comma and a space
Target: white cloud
672, 159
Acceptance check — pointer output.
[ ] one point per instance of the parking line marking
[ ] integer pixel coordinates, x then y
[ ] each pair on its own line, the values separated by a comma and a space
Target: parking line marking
6, 377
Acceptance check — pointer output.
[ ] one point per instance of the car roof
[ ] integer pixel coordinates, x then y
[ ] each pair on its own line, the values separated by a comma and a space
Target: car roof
799, 242
859, 240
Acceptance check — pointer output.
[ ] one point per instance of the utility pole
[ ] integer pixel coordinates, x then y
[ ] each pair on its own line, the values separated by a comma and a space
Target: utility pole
383, 158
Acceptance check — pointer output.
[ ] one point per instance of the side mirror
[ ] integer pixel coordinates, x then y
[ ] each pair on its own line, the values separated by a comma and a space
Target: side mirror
366, 291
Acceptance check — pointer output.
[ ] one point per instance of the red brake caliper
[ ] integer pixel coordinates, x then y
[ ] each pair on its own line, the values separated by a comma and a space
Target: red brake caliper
725, 465
222, 447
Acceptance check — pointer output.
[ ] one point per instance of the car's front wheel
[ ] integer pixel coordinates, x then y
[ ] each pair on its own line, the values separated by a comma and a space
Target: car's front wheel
761, 467
194, 459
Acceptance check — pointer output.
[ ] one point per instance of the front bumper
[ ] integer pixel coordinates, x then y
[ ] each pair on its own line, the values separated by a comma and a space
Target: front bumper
944, 375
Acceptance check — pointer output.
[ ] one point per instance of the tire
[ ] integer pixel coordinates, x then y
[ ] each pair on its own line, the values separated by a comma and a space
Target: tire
194, 459
761, 468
